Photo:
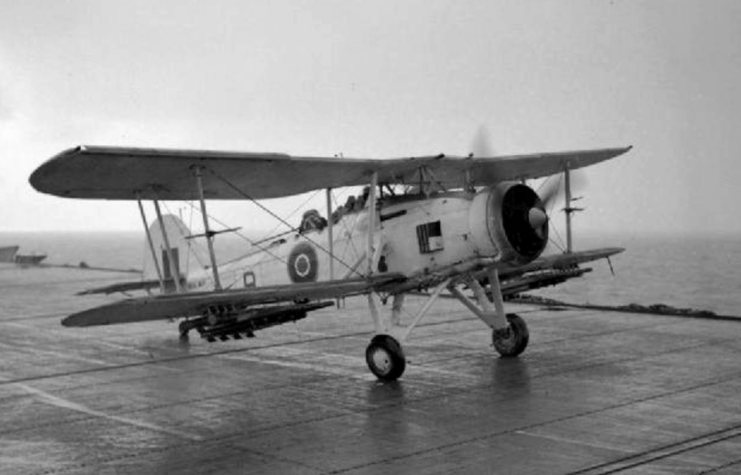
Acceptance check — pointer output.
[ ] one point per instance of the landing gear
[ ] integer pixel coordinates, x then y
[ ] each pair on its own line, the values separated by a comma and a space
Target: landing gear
511, 341
384, 355
385, 358
184, 328
509, 332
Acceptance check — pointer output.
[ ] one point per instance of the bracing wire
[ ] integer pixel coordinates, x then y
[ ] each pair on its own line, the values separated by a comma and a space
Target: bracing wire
270, 233
248, 240
271, 213
347, 228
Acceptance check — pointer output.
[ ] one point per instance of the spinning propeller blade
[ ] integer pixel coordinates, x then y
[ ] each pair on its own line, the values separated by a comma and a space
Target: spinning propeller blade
553, 189
481, 145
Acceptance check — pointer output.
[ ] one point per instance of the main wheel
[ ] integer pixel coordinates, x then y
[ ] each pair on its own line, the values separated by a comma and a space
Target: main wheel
385, 358
514, 340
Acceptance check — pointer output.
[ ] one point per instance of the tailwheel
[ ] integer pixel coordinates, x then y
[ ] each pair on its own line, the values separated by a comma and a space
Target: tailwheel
184, 328
385, 358
512, 341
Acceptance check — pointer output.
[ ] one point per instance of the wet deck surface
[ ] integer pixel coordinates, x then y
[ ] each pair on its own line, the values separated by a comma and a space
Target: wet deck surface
595, 393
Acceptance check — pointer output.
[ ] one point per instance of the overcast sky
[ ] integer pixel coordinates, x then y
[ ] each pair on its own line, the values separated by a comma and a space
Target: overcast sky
383, 79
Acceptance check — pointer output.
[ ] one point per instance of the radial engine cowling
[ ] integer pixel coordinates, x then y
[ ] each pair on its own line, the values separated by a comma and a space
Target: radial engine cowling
509, 221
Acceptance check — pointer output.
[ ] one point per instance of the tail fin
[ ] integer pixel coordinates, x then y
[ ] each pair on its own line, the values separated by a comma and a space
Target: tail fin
188, 256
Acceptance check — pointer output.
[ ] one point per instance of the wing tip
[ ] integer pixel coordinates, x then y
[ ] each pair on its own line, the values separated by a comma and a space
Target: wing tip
89, 318
40, 176
70, 322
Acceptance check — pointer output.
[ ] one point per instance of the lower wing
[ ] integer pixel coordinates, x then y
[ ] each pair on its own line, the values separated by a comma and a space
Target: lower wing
224, 303
561, 261
550, 270
542, 272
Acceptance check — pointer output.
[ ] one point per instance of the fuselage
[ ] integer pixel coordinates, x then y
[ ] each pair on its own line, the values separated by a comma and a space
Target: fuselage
413, 235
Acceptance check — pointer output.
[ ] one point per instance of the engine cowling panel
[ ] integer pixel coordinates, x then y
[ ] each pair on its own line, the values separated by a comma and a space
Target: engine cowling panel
508, 221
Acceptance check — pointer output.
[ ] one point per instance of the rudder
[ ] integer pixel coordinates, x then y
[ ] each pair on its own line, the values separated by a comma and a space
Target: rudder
187, 256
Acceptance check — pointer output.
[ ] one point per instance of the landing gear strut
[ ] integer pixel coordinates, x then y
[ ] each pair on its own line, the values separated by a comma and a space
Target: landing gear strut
385, 355
510, 335
385, 358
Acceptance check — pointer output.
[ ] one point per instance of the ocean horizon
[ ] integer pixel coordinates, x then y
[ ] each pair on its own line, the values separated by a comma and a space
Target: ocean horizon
690, 271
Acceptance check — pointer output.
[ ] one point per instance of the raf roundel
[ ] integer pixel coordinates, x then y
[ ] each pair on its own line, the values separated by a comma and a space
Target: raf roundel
303, 263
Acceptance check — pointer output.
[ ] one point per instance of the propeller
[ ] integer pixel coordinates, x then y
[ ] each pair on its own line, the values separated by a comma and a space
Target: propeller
553, 189
481, 145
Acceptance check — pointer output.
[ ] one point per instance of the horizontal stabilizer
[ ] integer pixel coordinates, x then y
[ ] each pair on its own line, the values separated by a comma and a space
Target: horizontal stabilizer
124, 287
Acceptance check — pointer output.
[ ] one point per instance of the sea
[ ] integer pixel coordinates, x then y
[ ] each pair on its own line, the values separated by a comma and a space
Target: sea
698, 272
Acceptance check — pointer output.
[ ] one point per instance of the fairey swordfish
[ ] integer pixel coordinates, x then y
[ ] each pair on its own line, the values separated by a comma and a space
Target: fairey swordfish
470, 226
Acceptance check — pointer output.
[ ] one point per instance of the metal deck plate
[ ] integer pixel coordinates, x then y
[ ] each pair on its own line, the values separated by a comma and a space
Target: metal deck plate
595, 393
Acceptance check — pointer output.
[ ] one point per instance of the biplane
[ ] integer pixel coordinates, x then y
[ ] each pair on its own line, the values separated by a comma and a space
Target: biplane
467, 225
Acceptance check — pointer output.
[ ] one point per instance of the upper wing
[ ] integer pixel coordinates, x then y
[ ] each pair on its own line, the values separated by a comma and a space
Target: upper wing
119, 173
195, 304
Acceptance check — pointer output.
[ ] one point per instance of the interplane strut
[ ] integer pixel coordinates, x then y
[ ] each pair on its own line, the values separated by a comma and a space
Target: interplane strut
151, 244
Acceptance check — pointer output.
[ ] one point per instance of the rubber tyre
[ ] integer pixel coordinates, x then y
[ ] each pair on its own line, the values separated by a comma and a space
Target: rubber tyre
517, 340
385, 358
